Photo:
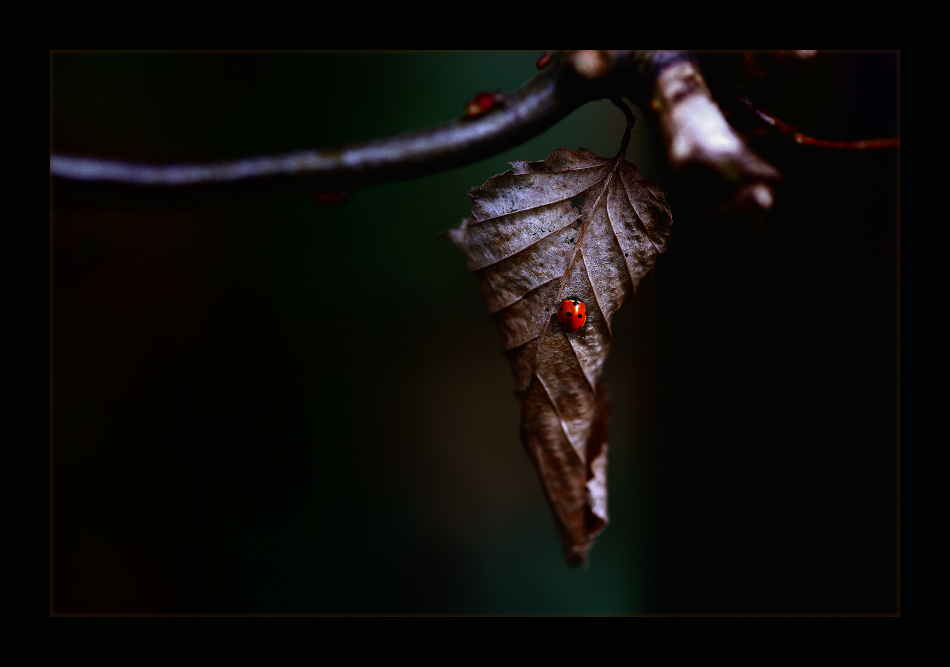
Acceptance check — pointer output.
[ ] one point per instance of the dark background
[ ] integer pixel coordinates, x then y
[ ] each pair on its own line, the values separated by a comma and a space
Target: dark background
273, 406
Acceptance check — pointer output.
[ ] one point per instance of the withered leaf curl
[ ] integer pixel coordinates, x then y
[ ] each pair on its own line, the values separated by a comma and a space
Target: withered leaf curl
530, 247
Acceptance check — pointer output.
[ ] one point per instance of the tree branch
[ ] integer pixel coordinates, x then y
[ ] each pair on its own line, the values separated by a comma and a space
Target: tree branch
548, 97
701, 146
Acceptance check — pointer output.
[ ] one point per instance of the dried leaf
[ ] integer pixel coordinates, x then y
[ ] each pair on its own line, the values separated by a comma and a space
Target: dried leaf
530, 247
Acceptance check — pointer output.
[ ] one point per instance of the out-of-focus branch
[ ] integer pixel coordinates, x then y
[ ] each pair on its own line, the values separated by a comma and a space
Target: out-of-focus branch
805, 140
717, 164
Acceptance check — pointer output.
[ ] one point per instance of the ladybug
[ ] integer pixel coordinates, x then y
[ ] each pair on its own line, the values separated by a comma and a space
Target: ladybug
572, 315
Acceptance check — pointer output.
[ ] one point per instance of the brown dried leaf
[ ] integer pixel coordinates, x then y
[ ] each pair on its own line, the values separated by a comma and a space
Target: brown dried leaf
529, 248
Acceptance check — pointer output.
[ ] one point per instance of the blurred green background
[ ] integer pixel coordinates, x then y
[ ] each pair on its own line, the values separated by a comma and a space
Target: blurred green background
273, 406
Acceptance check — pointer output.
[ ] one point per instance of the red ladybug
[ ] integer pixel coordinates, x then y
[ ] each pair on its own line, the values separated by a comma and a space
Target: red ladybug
572, 314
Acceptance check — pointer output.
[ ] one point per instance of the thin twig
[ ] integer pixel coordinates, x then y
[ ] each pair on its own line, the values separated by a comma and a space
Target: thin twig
805, 140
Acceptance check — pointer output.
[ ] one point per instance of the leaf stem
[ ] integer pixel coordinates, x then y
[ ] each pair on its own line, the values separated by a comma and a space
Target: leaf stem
631, 120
